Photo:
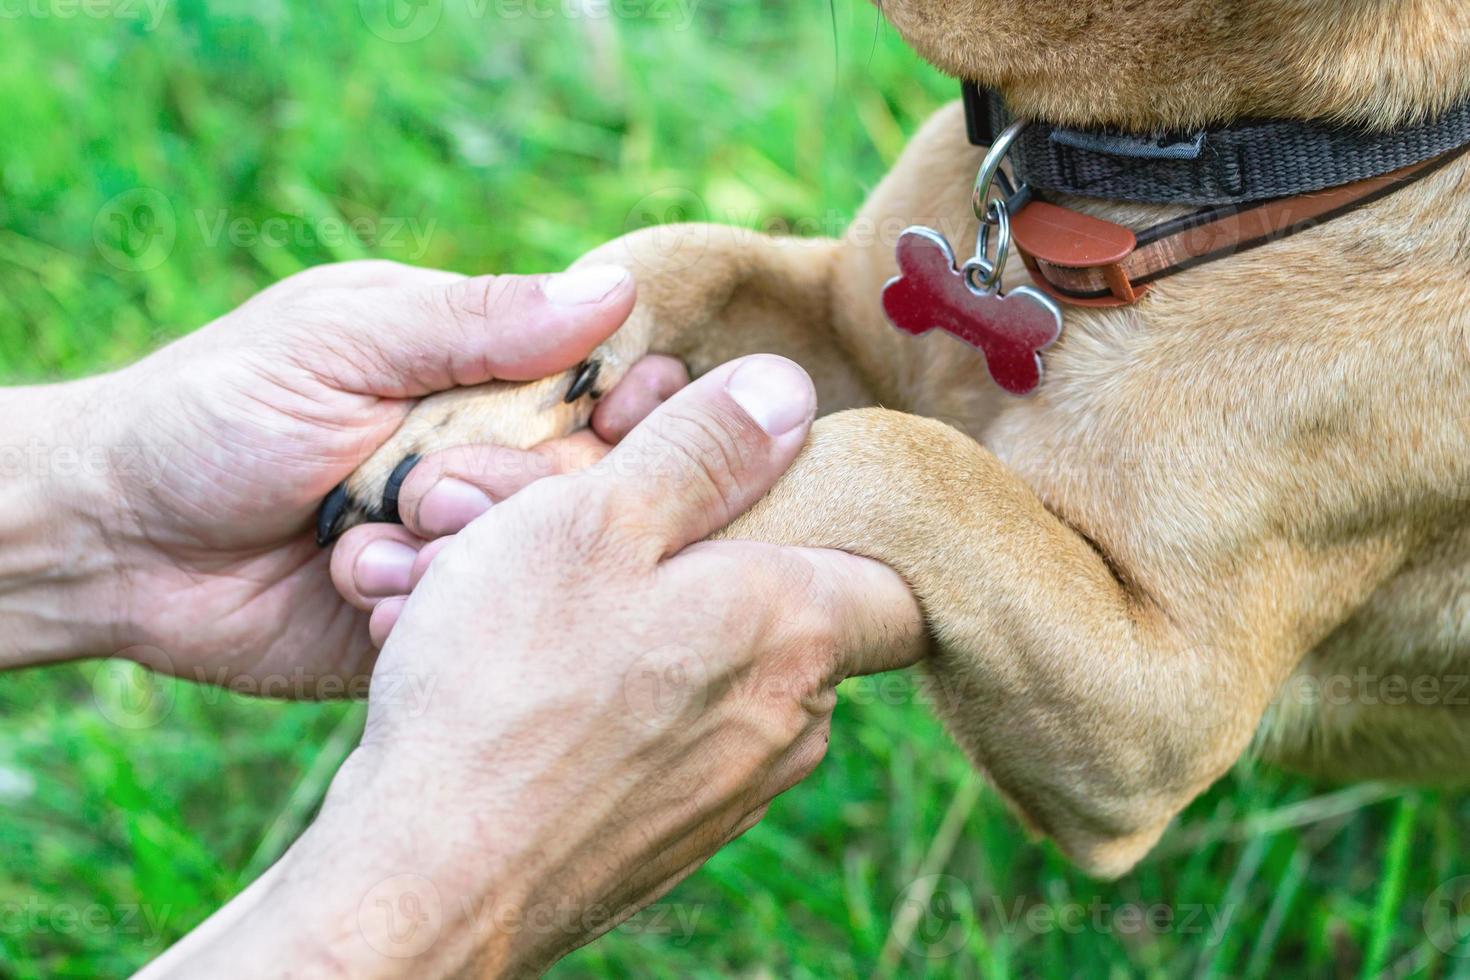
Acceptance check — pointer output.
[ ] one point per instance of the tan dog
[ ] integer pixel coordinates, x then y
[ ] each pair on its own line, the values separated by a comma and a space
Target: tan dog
1256, 477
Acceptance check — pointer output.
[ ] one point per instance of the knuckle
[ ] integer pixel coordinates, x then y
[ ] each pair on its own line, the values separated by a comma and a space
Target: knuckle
805, 759
710, 454
479, 299
315, 275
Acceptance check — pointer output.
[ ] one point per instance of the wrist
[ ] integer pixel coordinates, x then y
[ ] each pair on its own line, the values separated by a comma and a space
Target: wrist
384, 884
59, 585
423, 886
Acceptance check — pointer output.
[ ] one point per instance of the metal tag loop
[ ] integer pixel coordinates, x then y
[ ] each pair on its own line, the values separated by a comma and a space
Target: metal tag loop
982, 272
989, 167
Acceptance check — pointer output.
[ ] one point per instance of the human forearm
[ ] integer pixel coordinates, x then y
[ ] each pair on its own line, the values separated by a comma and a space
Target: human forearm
58, 580
370, 891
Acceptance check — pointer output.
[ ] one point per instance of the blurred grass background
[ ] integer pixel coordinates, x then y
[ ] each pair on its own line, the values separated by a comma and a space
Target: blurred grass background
161, 161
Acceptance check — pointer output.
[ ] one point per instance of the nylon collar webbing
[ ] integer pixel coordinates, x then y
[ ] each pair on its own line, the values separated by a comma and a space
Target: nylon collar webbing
1251, 160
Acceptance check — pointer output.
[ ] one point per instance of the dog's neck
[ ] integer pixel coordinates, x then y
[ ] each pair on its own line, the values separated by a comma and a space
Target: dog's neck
1179, 64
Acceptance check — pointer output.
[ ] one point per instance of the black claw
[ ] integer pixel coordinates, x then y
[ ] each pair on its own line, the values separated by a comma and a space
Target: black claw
329, 515
582, 383
389, 510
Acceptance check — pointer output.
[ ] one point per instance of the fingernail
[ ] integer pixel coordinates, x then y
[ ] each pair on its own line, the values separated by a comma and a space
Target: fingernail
582, 286
774, 392
383, 568
449, 505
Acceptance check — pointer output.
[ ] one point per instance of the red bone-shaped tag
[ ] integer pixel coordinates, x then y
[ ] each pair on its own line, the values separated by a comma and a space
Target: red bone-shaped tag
1011, 330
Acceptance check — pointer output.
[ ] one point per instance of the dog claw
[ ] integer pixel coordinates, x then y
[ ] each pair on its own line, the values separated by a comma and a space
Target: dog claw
340, 509
389, 509
330, 515
582, 383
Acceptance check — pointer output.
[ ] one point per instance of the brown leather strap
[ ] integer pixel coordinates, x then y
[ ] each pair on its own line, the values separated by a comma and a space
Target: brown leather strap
1087, 261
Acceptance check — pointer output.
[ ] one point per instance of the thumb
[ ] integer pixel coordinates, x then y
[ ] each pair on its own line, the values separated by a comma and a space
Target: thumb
713, 449
410, 341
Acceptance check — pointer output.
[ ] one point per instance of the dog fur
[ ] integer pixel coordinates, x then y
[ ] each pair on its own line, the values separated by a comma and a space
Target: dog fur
1226, 503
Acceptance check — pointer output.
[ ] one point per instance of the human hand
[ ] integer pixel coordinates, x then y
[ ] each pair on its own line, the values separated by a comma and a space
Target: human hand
246, 424
600, 700
374, 565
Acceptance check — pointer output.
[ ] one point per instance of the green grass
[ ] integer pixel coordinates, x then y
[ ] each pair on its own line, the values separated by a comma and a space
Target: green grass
512, 144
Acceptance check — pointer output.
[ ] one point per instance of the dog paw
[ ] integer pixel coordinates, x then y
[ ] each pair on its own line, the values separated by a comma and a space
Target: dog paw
515, 415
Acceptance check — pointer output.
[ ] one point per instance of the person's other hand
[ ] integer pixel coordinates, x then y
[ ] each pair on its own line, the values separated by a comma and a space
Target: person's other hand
238, 430
581, 702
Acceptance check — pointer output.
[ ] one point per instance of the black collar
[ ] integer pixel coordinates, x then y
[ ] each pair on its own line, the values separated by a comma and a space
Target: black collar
1251, 160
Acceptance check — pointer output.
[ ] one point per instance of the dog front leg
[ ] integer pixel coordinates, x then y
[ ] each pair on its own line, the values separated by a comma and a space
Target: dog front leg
1098, 712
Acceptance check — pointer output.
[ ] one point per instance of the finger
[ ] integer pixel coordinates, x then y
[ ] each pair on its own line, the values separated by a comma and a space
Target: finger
372, 562
372, 273
799, 761
878, 620
446, 490
401, 343
859, 610
425, 559
384, 617
357, 274
647, 385
710, 451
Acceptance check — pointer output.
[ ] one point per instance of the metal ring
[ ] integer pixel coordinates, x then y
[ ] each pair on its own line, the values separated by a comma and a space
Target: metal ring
991, 270
990, 166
